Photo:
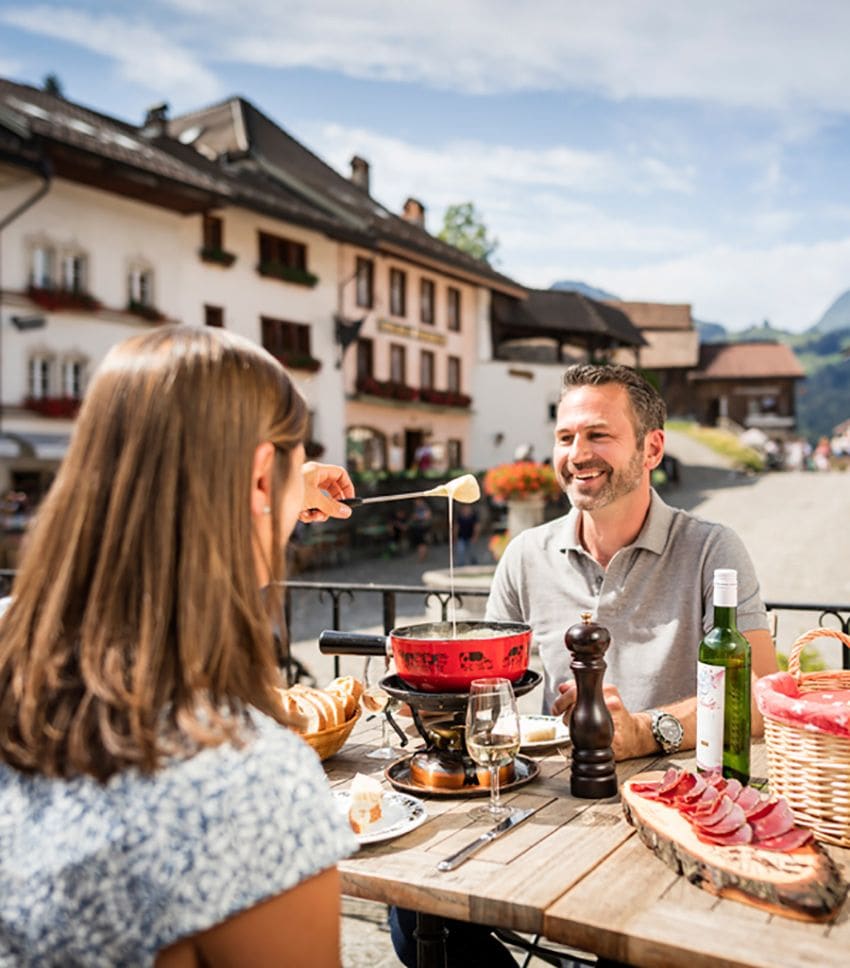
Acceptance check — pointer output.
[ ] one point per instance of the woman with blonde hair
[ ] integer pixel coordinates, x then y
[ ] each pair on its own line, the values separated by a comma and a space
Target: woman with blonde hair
155, 808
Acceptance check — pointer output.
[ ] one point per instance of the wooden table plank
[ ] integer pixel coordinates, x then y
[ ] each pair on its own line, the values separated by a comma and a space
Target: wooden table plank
635, 909
508, 883
577, 873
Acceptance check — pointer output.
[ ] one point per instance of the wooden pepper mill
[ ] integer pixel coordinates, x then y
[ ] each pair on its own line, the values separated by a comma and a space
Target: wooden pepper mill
592, 774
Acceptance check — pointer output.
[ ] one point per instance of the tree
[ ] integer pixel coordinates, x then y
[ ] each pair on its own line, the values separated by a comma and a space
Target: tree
464, 228
53, 85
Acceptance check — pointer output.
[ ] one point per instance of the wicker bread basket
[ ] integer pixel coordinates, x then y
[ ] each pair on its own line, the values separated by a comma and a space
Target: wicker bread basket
812, 769
329, 741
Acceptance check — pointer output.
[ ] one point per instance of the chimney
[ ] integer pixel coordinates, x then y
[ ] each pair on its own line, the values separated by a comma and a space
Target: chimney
360, 173
156, 121
414, 212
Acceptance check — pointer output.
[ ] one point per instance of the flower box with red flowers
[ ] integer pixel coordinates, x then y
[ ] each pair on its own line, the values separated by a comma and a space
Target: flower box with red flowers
444, 398
388, 389
522, 479
53, 406
55, 299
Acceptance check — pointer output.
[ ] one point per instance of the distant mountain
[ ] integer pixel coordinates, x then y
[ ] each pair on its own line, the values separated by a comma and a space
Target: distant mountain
836, 317
584, 289
711, 332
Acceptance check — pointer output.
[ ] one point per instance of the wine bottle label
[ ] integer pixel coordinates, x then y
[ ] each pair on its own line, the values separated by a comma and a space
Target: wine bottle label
711, 693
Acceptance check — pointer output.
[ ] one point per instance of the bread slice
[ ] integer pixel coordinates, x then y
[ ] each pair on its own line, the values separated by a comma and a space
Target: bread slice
365, 805
349, 691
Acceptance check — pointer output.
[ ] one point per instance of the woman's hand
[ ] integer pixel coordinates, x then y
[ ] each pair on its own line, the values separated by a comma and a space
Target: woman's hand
325, 485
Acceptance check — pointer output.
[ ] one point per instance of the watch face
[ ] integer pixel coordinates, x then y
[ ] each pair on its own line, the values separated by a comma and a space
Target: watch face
670, 729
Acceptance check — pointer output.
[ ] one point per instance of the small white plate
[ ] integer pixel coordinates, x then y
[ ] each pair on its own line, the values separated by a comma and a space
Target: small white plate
561, 737
400, 813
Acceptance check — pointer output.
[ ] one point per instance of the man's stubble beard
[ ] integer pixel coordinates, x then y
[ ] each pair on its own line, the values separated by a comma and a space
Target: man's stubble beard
617, 484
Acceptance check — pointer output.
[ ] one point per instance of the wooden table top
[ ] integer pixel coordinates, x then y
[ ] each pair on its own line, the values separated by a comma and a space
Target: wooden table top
576, 873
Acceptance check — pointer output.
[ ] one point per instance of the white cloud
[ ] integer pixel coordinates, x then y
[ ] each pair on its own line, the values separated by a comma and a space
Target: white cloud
554, 222
791, 285
459, 170
759, 54
144, 55
788, 57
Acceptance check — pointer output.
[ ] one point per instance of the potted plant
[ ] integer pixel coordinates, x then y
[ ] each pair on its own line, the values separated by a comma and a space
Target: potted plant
277, 270
218, 256
524, 486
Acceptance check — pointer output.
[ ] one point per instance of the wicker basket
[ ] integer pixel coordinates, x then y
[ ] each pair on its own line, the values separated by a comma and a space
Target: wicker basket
812, 769
329, 741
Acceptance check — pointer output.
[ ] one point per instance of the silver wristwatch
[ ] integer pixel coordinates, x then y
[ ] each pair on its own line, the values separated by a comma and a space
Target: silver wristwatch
667, 730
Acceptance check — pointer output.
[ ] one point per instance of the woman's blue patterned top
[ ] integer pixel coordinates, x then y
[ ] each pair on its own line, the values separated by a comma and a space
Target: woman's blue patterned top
108, 875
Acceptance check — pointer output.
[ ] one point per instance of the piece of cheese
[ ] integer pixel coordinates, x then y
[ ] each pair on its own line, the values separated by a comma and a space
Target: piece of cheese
537, 732
365, 803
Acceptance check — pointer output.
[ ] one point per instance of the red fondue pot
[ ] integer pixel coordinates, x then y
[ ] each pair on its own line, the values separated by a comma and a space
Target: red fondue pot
428, 658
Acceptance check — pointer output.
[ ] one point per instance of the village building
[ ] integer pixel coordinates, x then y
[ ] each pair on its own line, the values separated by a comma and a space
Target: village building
671, 350
747, 385
406, 305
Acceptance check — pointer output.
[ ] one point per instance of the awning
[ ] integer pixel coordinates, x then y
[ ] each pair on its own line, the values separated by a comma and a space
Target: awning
40, 446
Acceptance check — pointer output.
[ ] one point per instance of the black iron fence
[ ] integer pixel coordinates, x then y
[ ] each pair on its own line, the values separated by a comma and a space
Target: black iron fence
335, 596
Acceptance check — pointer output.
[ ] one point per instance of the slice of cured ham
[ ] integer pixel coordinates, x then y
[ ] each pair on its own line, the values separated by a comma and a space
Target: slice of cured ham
788, 874
742, 834
791, 841
778, 820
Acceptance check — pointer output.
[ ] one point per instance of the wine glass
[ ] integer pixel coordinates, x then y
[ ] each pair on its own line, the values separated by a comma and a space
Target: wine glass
492, 736
374, 700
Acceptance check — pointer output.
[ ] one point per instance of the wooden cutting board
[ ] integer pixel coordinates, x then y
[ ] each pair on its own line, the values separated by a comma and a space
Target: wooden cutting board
803, 883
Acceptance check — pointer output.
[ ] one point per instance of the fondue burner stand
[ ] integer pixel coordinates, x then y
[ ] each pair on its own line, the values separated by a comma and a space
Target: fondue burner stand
443, 767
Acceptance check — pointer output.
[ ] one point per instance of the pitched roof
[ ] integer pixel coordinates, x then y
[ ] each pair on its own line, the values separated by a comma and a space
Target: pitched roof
652, 315
735, 361
236, 131
35, 114
563, 315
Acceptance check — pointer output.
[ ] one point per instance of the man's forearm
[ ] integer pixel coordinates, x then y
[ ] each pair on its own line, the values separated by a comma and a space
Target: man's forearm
686, 712
644, 744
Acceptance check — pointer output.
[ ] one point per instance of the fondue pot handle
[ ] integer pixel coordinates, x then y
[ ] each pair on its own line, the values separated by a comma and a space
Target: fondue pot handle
332, 642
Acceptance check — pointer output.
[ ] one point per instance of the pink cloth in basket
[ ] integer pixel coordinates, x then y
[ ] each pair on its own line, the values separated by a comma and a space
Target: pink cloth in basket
824, 711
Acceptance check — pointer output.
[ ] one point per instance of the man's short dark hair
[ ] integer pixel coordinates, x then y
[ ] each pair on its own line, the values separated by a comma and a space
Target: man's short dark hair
648, 406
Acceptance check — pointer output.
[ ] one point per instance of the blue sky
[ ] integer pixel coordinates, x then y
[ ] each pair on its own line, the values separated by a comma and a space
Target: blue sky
660, 151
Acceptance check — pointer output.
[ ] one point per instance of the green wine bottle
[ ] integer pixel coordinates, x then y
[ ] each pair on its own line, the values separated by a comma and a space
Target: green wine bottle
723, 687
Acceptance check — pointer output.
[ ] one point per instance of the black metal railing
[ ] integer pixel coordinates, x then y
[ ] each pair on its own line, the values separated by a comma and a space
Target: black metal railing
836, 617
337, 594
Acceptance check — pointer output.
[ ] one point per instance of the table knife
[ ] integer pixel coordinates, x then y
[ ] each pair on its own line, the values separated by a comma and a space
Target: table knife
450, 863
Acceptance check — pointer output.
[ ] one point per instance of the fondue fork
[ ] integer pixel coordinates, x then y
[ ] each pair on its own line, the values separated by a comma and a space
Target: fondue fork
464, 489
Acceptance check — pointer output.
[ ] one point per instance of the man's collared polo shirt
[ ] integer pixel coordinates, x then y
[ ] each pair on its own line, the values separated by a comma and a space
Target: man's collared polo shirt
655, 598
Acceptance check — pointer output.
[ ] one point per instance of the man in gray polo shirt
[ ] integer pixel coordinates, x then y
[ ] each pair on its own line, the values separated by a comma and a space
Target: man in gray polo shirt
643, 569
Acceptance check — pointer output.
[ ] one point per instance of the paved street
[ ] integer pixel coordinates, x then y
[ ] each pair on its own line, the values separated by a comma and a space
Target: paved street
795, 526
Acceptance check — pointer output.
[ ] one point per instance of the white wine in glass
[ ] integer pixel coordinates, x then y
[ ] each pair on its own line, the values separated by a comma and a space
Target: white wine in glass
492, 736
